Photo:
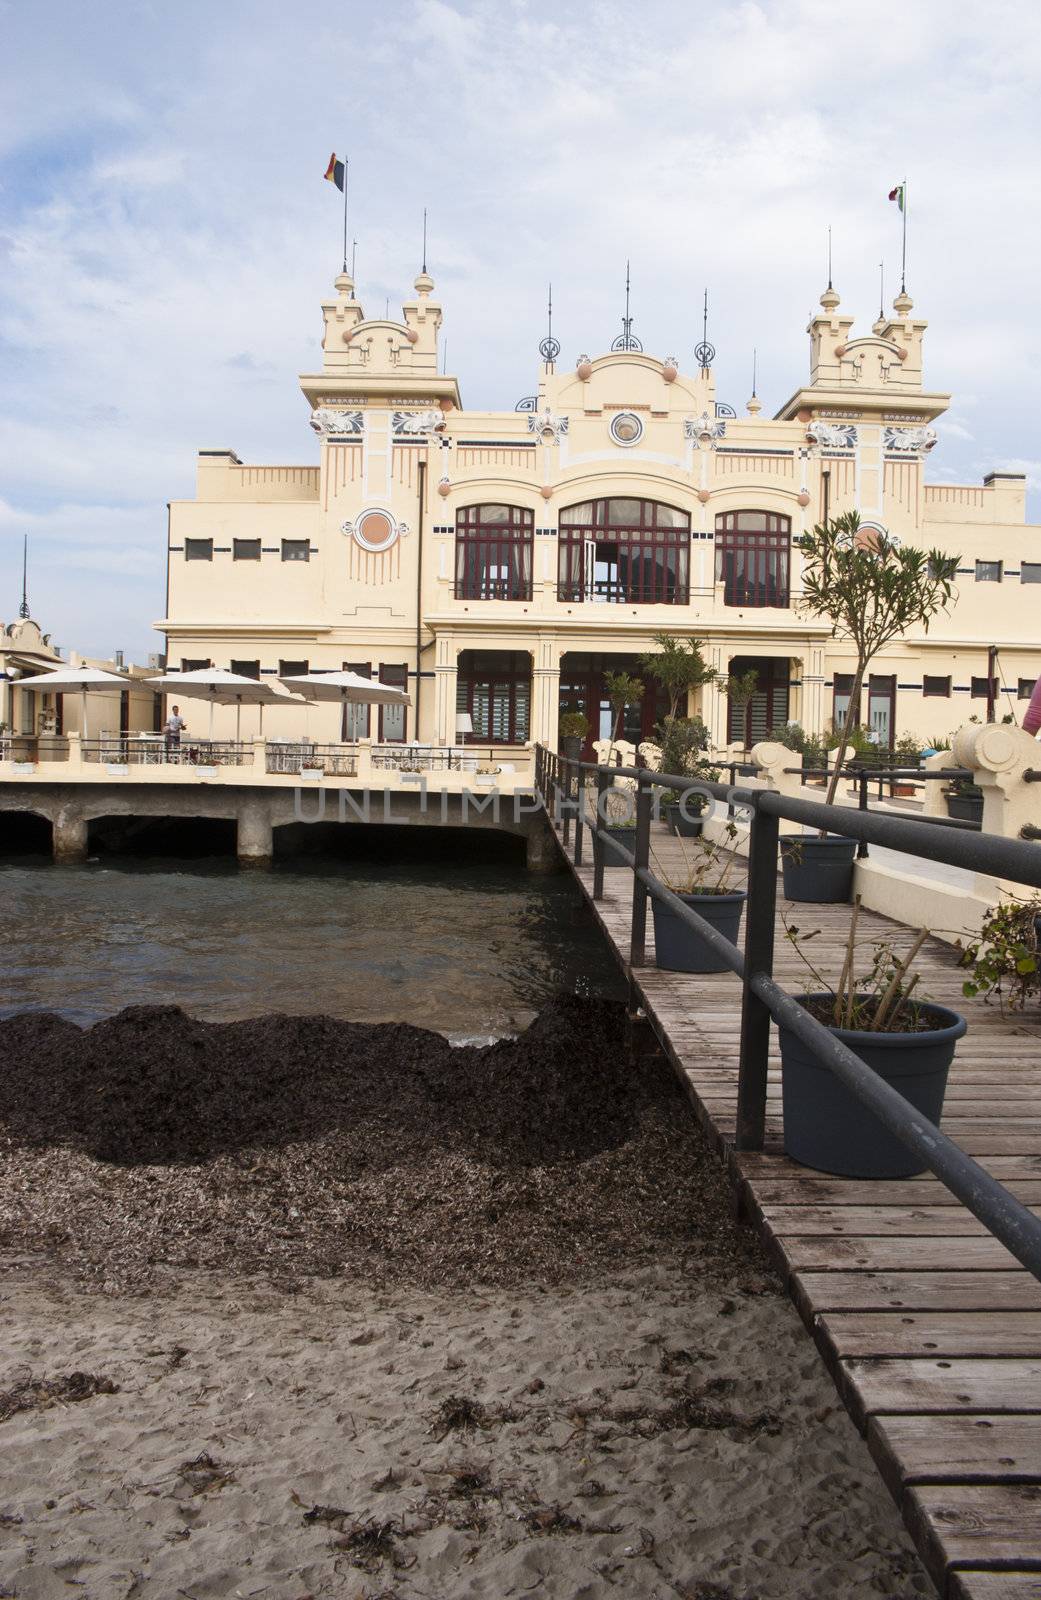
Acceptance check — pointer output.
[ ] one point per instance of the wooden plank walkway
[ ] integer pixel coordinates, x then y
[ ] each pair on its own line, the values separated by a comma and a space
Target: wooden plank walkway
929, 1327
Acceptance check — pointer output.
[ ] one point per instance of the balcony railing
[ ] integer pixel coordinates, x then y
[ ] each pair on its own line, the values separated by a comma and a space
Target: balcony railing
625, 592
153, 750
336, 760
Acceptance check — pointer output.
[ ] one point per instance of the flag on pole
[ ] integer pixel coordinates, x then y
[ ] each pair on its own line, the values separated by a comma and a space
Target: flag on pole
334, 172
896, 194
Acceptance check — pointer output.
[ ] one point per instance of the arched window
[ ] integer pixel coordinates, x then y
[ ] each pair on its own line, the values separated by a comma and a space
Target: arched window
753, 553
629, 552
493, 552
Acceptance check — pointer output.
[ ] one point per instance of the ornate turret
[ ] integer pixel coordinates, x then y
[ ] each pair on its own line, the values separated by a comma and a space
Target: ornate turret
371, 356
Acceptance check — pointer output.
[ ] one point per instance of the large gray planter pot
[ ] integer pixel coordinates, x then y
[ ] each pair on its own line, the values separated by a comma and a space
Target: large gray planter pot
819, 870
572, 747
678, 948
681, 822
965, 807
828, 1128
625, 837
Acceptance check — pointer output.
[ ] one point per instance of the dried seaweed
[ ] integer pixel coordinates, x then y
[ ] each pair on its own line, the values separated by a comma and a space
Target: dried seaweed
39, 1394
202, 1474
307, 1146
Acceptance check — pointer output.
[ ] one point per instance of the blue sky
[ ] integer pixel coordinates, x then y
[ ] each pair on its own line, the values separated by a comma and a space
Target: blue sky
165, 233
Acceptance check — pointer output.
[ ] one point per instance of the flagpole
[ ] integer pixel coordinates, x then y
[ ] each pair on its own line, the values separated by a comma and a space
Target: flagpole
903, 249
346, 164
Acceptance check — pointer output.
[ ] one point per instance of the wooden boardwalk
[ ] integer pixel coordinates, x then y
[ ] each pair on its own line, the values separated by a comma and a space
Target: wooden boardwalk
929, 1327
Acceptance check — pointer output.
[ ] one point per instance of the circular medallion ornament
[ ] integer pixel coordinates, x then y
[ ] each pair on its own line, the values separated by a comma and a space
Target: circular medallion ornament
374, 530
626, 428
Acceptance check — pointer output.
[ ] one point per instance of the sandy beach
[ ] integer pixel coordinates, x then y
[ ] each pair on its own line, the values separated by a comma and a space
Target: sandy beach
550, 1362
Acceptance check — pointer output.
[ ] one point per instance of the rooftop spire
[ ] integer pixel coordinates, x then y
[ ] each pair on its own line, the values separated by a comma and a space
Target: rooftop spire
23, 609
549, 348
754, 406
704, 353
626, 340
424, 266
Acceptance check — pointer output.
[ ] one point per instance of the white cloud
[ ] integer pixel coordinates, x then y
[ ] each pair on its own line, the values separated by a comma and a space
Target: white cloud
168, 235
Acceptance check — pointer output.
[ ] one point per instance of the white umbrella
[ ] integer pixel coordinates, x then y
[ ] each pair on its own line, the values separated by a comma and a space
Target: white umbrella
222, 688
88, 680
349, 688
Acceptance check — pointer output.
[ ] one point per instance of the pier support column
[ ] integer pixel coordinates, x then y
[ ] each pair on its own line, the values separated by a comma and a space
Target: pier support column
255, 835
542, 856
69, 837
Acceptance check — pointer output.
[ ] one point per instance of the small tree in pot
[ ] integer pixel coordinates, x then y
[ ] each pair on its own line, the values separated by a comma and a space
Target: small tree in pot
574, 730
683, 742
741, 689
873, 590
908, 1041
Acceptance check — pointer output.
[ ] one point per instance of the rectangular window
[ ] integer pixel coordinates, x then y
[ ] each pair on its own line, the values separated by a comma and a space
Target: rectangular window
753, 551
354, 718
198, 549
296, 550
493, 688
394, 719
936, 686
1026, 688
245, 550
195, 663
293, 669
1030, 572
982, 687
988, 572
493, 552
246, 669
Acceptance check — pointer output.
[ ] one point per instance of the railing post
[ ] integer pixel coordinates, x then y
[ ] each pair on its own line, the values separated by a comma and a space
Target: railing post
641, 858
566, 764
760, 915
862, 803
580, 809
603, 783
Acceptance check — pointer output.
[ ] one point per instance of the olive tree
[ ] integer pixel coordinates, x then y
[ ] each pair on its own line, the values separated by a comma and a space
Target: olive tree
679, 666
872, 589
622, 691
741, 689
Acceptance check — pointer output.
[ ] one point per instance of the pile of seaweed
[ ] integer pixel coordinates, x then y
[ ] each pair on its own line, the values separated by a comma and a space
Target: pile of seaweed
307, 1145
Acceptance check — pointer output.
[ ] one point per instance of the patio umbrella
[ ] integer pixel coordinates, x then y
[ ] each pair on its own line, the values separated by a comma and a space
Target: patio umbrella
223, 688
88, 680
349, 688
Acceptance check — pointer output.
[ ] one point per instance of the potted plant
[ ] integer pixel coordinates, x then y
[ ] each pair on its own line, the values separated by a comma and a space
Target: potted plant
1005, 958
618, 813
873, 590
682, 741
908, 753
574, 730
908, 1041
741, 689
964, 800
704, 885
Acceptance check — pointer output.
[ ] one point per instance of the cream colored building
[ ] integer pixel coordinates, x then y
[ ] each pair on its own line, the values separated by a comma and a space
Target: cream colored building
498, 563
36, 724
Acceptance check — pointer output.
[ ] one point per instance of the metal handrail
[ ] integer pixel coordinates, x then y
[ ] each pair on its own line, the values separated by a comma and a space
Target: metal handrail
763, 1001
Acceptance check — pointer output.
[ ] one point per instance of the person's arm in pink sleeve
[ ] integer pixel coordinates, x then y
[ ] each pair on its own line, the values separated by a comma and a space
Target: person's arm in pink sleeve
1032, 720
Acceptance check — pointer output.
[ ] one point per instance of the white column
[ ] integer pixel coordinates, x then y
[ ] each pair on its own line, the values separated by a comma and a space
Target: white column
445, 676
545, 694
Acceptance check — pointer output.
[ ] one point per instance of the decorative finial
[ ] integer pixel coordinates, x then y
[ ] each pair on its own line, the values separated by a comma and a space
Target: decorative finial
23, 609
549, 348
880, 321
829, 255
753, 408
626, 340
424, 266
704, 353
